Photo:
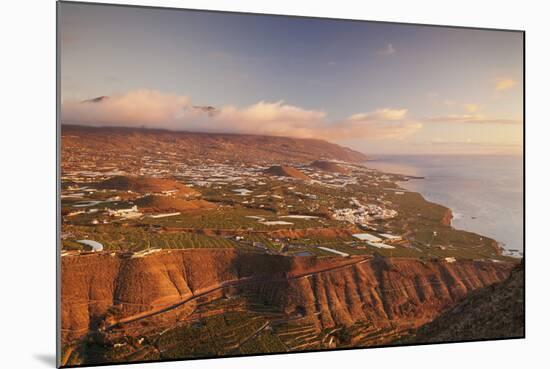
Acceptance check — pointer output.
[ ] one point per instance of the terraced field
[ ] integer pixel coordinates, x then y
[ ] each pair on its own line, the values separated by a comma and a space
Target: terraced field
224, 334
299, 335
138, 238
236, 218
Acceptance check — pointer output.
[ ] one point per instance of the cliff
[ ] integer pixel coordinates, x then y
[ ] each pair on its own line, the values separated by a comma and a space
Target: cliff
493, 312
102, 292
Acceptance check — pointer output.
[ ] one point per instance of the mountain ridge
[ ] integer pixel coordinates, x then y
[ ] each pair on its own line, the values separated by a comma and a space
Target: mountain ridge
224, 146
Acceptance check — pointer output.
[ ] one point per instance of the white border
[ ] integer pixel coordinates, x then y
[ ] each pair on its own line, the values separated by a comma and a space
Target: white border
28, 182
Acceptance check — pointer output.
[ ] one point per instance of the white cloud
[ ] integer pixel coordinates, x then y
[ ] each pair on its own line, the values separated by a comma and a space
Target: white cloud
381, 114
155, 109
380, 124
135, 108
472, 118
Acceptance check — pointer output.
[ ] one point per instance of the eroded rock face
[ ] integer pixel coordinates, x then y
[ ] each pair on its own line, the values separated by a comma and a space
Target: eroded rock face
492, 312
100, 291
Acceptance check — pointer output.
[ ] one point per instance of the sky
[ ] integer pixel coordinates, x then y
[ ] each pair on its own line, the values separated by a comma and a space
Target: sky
379, 88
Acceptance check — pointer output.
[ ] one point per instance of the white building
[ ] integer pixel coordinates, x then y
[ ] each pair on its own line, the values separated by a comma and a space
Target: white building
96, 246
391, 237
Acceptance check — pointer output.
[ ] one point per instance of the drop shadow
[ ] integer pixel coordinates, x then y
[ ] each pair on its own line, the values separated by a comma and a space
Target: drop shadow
267, 275
48, 359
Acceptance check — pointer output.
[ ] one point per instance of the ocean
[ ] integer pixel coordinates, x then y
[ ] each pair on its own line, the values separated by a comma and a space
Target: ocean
484, 192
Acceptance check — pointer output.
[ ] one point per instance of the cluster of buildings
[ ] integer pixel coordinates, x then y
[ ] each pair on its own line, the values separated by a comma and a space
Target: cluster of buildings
335, 180
360, 214
129, 213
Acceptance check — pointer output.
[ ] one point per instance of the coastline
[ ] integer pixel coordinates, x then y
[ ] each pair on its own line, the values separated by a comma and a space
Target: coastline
449, 214
500, 246
475, 198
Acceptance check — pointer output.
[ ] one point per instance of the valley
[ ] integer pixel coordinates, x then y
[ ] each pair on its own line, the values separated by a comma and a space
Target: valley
185, 245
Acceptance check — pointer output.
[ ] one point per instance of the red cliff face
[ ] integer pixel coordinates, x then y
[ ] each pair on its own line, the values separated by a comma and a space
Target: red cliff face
106, 291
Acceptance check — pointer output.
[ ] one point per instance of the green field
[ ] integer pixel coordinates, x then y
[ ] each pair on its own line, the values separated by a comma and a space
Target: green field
121, 238
419, 222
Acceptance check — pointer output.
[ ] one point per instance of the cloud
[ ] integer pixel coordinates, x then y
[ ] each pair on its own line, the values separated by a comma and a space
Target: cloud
379, 124
380, 114
473, 143
470, 142
471, 118
137, 107
504, 83
440, 141
388, 50
155, 109
472, 108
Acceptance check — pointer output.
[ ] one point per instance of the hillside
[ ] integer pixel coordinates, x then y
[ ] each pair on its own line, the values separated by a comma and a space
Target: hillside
328, 166
109, 296
216, 146
146, 185
285, 171
492, 312
167, 204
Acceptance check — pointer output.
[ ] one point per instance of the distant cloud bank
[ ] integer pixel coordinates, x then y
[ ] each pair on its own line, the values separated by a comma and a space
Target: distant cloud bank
504, 83
471, 118
155, 109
